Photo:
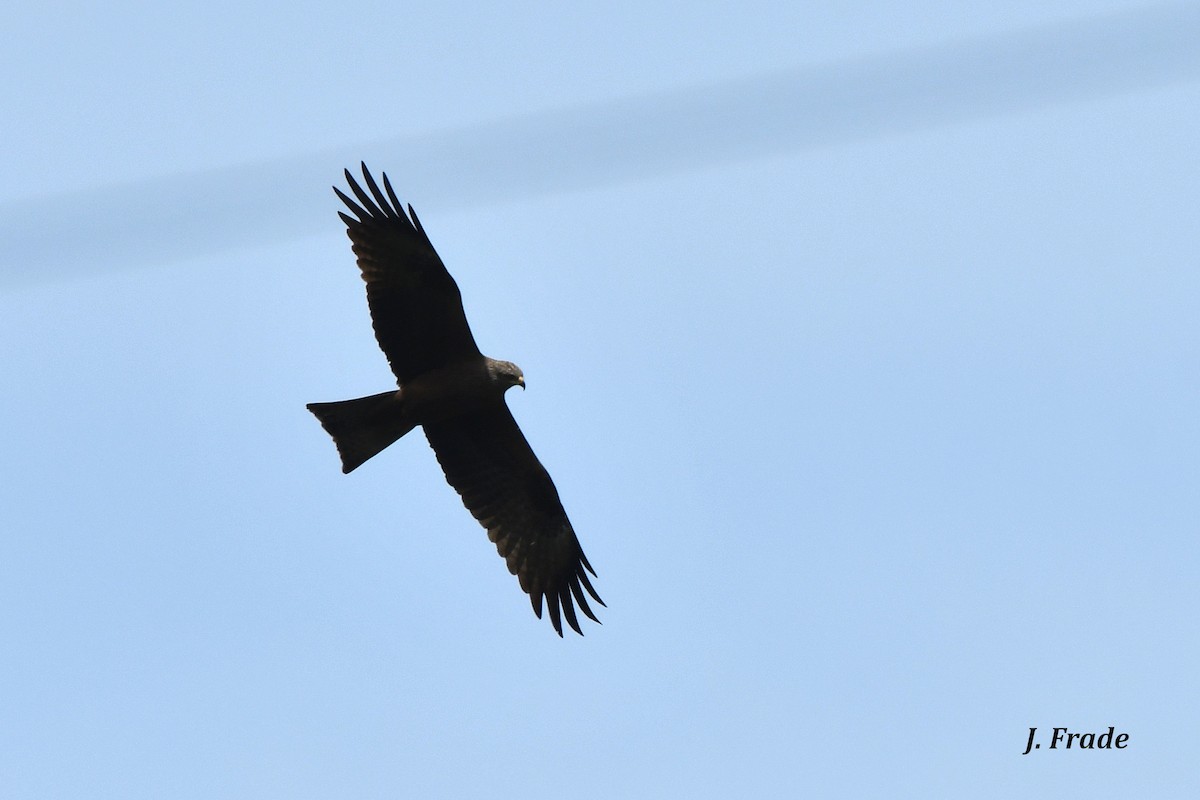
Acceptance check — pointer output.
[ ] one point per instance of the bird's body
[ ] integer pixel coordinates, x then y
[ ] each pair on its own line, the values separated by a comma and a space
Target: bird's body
459, 388
456, 394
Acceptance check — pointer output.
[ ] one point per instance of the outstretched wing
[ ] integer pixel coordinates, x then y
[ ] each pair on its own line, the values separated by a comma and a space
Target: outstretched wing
488, 461
416, 307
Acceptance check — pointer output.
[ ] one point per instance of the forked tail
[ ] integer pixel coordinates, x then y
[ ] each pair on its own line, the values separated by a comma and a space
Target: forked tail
363, 427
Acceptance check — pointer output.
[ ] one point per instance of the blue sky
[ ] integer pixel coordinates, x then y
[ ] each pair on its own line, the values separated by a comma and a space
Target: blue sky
883, 441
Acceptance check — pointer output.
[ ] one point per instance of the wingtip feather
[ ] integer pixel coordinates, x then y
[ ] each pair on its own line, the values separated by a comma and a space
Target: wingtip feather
568, 609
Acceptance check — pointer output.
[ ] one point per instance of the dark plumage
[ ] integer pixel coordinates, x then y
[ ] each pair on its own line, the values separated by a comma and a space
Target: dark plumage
457, 395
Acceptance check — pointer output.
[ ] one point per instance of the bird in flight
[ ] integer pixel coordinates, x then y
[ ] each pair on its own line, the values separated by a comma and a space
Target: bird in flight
456, 394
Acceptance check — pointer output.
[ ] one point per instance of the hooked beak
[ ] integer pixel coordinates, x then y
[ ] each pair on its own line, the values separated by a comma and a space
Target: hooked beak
521, 382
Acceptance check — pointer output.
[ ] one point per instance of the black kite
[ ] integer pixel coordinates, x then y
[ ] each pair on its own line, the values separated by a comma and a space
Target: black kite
456, 394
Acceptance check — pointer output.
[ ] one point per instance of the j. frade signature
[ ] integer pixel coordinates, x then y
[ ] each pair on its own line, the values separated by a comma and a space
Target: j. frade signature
1108, 740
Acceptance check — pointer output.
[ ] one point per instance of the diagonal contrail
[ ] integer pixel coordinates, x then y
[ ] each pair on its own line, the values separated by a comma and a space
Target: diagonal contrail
164, 219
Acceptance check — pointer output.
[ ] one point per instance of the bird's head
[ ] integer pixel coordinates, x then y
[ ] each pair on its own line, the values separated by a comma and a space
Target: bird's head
508, 374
